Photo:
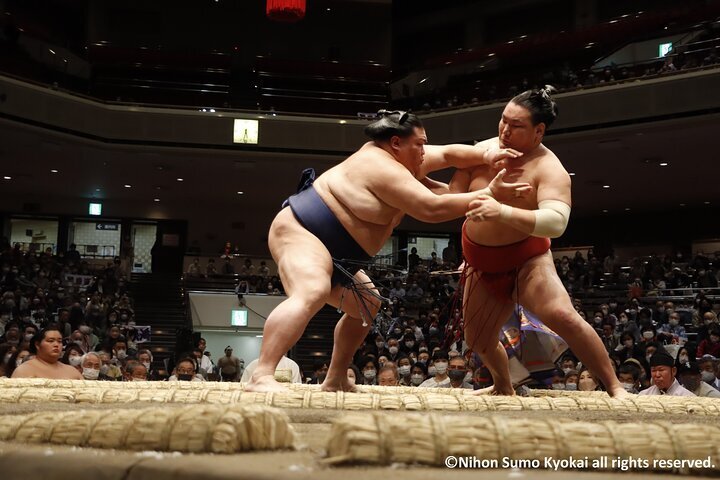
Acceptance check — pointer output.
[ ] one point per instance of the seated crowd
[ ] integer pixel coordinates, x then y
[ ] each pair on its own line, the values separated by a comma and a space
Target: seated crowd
61, 306
664, 339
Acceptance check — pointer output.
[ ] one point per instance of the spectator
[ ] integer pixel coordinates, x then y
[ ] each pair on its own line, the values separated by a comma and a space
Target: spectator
629, 376
206, 365
353, 374
557, 380
230, 366
369, 369
388, 376
449, 254
418, 374
90, 365
73, 356
440, 377
320, 368
194, 268
458, 373
587, 382
15, 360
135, 371
47, 348
186, 371
673, 332
707, 368
608, 338
404, 369
663, 374
571, 380
210, 269
146, 358
691, 378
711, 345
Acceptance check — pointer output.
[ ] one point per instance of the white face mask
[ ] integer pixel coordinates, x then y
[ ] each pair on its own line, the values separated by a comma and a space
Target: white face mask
74, 361
121, 354
369, 374
379, 345
416, 379
558, 386
571, 386
566, 370
629, 387
441, 367
683, 359
28, 337
647, 335
404, 370
393, 350
147, 366
90, 373
708, 377
409, 344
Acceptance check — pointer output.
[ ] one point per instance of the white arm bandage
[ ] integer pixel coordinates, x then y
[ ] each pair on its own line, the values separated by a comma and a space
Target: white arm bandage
551, 218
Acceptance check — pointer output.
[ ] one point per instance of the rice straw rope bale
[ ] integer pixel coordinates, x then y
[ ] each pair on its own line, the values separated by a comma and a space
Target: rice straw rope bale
207, 428
383, 439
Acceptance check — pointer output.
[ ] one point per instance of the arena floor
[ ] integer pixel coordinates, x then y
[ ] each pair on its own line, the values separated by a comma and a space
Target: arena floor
20, 461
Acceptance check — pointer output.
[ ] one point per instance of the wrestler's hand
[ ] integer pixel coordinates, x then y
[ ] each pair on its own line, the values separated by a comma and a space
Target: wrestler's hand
483, 208
495, 156
504, 192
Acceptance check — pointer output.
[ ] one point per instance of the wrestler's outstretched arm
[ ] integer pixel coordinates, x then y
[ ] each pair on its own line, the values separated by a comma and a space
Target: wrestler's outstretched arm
498, 188
440, 157
410, 196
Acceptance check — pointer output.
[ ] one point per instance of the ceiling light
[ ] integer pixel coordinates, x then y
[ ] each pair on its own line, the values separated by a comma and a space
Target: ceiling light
97, 189
240, 193
7, 178
606, 186
682, 204
706, 203
180, 179
54, 171
627, 209
343, 122
605, 211
156, 199
572, 174
127, 185
51, 51
664, 164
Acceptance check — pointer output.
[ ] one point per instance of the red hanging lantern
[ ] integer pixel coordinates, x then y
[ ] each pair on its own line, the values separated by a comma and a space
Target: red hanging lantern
288, 11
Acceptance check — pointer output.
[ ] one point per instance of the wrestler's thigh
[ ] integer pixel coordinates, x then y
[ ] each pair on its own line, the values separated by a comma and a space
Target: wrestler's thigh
540, 289
303, 261
483, 314
361, 301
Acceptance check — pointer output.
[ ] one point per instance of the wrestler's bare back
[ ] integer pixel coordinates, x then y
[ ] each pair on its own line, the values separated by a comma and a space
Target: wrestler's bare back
533, 168
347, 191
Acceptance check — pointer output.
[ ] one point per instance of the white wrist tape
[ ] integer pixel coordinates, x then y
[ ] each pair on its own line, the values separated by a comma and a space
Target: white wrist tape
505, 211
551, 218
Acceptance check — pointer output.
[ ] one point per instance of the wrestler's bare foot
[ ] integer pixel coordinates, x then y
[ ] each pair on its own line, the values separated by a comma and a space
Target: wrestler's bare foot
618, 392
495, 390
265, 383
342, 384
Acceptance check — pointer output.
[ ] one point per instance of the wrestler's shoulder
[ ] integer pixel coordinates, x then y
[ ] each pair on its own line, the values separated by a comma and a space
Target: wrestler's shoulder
548, 161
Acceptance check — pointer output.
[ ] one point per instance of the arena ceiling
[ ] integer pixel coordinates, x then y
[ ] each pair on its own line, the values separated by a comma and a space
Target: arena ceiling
648, 168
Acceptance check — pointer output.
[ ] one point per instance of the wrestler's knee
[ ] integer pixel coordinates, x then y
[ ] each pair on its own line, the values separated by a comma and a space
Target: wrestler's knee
562, 316
313, 292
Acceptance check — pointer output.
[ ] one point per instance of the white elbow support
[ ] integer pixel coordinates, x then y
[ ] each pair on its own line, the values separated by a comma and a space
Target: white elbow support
551, 218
